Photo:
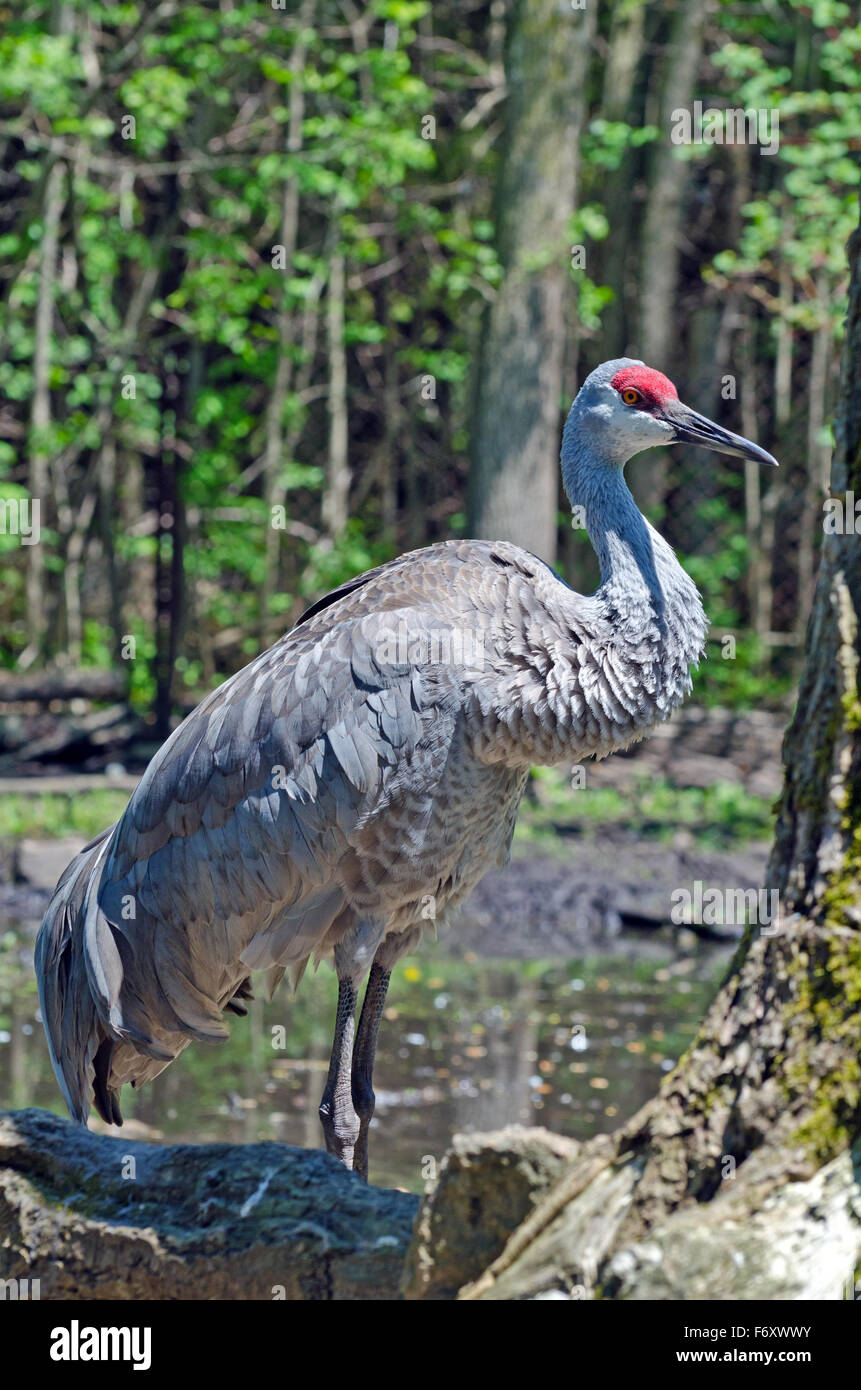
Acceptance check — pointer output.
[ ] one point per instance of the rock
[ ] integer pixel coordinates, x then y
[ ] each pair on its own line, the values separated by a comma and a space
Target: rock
8, 861
94, 1217
487, 1185
42, 862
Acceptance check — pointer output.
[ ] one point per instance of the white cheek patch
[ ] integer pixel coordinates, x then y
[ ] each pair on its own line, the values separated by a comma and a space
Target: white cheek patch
640, 431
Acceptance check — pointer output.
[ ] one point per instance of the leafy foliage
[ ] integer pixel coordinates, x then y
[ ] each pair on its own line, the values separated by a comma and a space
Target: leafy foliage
189, 374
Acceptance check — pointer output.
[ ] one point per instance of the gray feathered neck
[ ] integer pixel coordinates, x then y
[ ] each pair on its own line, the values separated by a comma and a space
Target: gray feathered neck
639, 570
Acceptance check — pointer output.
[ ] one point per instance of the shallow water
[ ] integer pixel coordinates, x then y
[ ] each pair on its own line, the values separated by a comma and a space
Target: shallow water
466, 1044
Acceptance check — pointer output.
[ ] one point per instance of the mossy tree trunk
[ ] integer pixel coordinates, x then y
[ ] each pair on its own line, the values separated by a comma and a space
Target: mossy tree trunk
770, 1091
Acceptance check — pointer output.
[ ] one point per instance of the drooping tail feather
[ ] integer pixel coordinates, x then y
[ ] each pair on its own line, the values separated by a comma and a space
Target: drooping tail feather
107, 1021
95, 1022
69, 1013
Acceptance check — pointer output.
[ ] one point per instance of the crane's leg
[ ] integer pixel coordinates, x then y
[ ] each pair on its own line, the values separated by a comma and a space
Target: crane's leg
337, 1116
363, 1061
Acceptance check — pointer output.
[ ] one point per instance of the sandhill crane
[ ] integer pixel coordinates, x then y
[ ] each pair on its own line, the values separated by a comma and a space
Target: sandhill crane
364, 773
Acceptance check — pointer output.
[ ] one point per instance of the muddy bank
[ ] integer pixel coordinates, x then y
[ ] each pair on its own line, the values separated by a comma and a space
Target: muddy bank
602, 896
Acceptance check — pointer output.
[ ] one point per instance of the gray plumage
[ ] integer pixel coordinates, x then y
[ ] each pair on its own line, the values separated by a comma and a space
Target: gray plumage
368, 765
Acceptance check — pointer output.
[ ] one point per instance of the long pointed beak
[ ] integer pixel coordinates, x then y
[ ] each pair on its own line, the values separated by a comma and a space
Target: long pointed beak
692, 428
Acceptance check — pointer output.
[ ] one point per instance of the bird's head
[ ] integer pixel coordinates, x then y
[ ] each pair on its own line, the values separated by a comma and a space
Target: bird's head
624, 407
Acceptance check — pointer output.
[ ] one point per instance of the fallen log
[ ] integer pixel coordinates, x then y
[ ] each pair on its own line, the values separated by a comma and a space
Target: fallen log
83, 735
45, 686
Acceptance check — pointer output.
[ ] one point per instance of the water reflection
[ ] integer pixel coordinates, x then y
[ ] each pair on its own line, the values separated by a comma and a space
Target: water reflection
467, 1043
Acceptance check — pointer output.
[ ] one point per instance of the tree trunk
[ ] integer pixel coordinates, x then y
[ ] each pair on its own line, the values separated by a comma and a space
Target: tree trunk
515, 438
619, 189
336, 498
766, 1103
658, 336
274, 427
40, 418
169, 577
817, 470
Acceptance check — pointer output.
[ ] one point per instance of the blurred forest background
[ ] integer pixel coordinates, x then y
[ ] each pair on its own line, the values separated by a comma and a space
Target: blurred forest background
317, 261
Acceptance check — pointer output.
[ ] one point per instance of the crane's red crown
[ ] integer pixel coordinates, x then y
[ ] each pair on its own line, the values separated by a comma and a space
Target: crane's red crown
655, 388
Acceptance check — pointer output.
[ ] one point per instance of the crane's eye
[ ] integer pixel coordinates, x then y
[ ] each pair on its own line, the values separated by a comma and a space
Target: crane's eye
630, 396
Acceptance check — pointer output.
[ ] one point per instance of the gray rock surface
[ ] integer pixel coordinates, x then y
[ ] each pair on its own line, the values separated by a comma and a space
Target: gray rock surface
92, 1217
487, 1185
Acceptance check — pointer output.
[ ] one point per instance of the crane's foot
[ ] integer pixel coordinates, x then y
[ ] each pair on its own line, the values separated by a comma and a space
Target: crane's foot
340, 1130
347, 1107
